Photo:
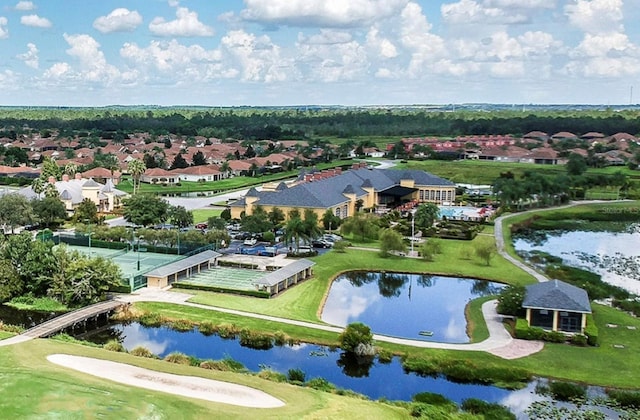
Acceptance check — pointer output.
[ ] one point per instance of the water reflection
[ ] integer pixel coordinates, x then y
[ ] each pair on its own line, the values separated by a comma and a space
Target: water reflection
404, 305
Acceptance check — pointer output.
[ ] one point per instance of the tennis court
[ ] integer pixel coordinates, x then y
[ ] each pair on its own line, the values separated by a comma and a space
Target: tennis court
128, 261
225, 277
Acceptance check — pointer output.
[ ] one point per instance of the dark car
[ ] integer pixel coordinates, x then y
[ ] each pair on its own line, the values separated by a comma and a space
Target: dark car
321, 243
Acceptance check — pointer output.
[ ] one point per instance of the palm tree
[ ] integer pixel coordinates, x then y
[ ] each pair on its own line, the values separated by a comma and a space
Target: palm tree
38, 186
295, 230
71, 169
136, 168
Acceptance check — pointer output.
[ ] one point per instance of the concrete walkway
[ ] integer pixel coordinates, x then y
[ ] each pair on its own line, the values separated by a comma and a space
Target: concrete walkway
499, 343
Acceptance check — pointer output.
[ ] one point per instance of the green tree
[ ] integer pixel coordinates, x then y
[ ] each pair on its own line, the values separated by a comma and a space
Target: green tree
295, 231
425, 216
86, 212
180, 216
330, 221
49, 169
485, 251
199, 159
37, 185
49, 211
311, 227
179, 162
576, 165
215, 222
276, 216
10, 284
356, 338
136, 168
510, 300
430, 248
363, 225
145, 210
15, 210
256, 222
390, 240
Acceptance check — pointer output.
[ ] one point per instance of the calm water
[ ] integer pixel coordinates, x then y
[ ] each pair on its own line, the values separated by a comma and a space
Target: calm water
26, 319
375, 380
402, 305
613, 255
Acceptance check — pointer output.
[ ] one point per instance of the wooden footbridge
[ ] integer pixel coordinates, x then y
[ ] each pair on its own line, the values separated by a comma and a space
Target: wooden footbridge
72, 319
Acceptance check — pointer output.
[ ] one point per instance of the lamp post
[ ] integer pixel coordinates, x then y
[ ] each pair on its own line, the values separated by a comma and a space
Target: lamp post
413, 230
139, 237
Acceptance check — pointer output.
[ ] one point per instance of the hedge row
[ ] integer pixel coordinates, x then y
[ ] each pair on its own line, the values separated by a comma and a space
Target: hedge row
525, 332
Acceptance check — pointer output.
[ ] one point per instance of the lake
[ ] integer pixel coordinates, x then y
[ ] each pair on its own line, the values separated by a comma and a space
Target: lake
614, 254
403, 305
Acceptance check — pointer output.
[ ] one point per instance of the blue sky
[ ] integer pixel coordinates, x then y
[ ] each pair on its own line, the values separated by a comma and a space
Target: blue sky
340, 52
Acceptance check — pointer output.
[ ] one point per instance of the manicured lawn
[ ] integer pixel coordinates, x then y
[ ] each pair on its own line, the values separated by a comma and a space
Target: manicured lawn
202, 215
32, 387
304, 301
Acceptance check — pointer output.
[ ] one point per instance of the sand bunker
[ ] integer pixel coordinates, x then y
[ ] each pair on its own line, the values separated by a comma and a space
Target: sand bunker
187, 386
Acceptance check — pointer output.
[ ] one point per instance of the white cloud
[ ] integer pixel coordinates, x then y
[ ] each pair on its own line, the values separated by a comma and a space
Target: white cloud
423, 46
25, 6
4, 31
321, 13
35, 21
470, 11
171, 58
119, 20
596, 16
186, 25
255, 57
57, 70
30, 57
382, 47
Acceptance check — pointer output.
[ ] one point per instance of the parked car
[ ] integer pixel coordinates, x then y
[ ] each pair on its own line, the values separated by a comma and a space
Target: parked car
321, 243
250, 242
202, 226
331, 237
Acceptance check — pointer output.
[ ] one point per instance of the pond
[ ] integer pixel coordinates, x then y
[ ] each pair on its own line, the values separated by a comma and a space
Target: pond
404, 305
373, 379
26, 319
614, 254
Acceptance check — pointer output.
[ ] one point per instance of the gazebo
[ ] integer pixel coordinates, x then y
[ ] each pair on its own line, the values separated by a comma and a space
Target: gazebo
557, 306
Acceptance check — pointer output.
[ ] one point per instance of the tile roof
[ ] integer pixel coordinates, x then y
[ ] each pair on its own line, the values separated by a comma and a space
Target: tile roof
556, 295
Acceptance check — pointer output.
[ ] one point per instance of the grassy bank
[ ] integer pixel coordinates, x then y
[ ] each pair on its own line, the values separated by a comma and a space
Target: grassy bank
304, 301
34, 388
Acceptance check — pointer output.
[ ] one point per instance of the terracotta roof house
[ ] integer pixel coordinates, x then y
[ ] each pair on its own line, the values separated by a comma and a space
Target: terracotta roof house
563, 135
339, 191
199, 173
159, 176
503, 154
557, 306
536, 135
102, 175
543, 156
19, 171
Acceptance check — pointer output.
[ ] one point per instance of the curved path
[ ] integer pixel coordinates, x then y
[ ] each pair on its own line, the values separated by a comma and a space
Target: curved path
498, 233
499, 343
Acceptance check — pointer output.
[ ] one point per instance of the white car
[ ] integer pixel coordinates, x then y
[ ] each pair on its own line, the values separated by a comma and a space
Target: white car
250, 242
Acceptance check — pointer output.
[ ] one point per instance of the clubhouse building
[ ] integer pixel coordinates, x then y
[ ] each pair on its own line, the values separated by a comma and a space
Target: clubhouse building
342, 193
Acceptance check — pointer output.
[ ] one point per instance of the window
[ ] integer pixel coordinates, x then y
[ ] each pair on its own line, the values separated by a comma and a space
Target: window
338, 212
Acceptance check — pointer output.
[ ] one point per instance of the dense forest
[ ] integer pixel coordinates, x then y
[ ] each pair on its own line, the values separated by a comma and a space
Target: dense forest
293, 123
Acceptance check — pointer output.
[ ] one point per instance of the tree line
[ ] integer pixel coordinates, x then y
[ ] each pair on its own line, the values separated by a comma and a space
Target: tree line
257, 124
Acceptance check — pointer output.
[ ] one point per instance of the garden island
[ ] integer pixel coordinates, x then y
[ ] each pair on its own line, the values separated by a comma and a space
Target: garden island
491, 254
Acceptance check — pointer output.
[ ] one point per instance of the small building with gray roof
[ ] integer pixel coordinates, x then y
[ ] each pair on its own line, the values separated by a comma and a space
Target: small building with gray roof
557, 306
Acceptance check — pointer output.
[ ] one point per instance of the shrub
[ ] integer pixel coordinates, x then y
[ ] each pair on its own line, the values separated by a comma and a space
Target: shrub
296, 375
272, 375
566, 391
114, 345
207, 328
510, 300
525, 332
487, 410
422, 367
281, 339
226, 365
321, 384
426, 411
625, 398
178, 358
151, 319
384, 356
579, 340
142, 351
183, 325
356, 333
554, 337
591, 331
431, 398
226, 330
255, 340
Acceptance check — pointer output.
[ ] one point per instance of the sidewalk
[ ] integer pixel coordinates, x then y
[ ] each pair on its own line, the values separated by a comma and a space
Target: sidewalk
499, 343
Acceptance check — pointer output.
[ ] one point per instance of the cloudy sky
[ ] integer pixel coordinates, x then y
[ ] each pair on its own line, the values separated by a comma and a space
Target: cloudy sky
295, 52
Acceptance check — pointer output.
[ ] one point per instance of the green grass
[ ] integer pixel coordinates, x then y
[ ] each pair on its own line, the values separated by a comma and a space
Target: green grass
32, 387
31, 303
5, 334
603, 365
202, 215
304, 301
476, 325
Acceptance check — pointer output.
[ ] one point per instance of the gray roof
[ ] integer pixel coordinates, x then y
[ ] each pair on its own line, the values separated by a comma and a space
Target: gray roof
183, 264
556, 295
285, 272
329, 192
